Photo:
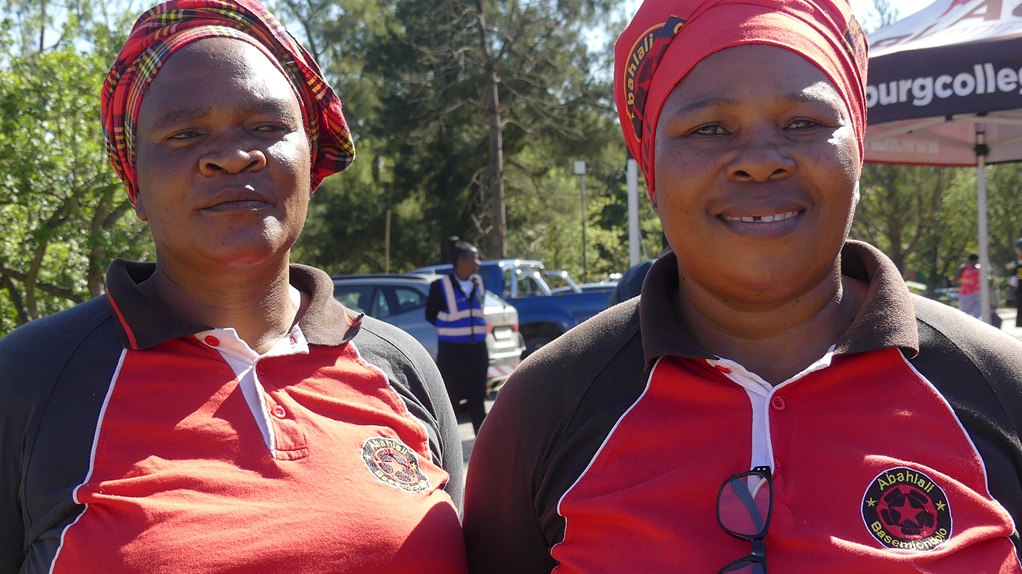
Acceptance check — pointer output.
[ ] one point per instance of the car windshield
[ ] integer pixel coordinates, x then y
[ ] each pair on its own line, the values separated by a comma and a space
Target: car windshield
530, 283
492, 300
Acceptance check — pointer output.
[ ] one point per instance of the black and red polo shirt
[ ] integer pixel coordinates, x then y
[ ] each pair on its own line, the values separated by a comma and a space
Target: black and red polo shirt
898, 451
131, 441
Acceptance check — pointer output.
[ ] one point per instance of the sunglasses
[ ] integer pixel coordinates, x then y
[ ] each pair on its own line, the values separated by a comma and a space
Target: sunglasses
744, 504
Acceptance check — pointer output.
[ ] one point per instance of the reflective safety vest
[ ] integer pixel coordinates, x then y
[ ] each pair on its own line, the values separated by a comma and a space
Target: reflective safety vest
463, 321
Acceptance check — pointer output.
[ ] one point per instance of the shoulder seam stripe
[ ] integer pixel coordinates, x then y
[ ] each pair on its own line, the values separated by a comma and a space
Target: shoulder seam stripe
124, 323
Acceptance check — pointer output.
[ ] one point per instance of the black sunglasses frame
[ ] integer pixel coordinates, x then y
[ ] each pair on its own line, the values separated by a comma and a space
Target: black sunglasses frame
757, 558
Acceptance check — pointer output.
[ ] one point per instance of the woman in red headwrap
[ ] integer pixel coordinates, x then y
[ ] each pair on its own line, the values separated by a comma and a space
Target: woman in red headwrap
775, 397
218, 410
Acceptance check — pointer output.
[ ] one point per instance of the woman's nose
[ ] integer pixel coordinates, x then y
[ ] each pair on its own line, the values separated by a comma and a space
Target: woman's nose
232, 158
761, 155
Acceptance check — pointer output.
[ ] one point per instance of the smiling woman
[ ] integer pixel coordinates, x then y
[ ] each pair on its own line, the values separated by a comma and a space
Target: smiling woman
763, 340
764, 174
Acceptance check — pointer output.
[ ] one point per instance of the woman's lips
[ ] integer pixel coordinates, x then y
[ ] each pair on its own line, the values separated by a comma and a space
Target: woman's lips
769, 218
234, 199
239, 205
763, 225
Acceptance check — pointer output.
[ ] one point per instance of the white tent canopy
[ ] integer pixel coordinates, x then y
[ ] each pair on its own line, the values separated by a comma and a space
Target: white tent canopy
945, 88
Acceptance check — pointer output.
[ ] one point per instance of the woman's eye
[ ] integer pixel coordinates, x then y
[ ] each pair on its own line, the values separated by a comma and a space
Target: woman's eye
710, 130
802, 124
183, 135
272, 128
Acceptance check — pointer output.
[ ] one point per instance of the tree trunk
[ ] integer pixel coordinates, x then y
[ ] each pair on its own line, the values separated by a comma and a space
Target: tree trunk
498, 232
497, 209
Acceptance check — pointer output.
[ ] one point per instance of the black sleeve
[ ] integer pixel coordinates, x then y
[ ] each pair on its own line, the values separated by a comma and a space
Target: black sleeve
53, 369
503, 534
545, 427
978, 370
14, 420
435, 303
417, 380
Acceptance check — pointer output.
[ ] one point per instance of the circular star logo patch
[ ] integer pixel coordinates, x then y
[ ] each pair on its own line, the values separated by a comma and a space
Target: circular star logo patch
392, 462
904, 508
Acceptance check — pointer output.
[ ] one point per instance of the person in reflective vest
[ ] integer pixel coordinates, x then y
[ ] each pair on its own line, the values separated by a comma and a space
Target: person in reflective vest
455, 306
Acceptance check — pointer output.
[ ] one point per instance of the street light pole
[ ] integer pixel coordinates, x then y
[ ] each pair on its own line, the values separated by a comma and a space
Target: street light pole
580, 169
634, 241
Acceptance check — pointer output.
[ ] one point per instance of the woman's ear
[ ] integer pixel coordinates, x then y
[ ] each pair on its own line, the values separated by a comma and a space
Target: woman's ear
140, 208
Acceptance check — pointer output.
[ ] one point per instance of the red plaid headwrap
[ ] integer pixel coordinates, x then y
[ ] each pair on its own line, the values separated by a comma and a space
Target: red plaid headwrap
166, 28
667, 38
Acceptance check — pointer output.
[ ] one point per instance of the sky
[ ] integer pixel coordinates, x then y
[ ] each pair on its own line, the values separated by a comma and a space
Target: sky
866, 15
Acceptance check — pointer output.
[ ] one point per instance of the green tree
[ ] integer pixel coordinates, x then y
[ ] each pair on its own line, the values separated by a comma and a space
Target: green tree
65, 214
925, 218
952, 234
898, 207
473, 84
448, 99
1004, 198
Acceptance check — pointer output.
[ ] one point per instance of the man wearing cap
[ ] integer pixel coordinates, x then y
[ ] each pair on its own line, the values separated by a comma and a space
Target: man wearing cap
219, 410
776, 398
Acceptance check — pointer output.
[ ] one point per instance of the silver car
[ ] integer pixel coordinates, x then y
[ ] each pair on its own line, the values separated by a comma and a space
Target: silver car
401, 301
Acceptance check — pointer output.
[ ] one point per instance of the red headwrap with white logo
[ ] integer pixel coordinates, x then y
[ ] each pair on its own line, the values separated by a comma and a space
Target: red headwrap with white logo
170, 26
667, 38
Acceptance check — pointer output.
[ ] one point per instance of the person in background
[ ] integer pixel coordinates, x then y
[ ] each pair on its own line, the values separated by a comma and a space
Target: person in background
218, 410
630, 283
455, 306
775, 399
967, 277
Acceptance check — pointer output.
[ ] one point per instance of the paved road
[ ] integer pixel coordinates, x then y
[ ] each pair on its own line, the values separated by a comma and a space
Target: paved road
468, 438
1008, 324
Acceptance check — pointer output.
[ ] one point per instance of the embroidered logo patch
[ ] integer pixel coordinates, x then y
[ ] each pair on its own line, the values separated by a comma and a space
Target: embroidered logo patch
906, 509
854, 45
643, 59
392, 462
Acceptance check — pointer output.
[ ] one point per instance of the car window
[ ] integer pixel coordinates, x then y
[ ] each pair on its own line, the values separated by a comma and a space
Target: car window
528, 286
382, 309
355, 297
507, 280
408, 299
